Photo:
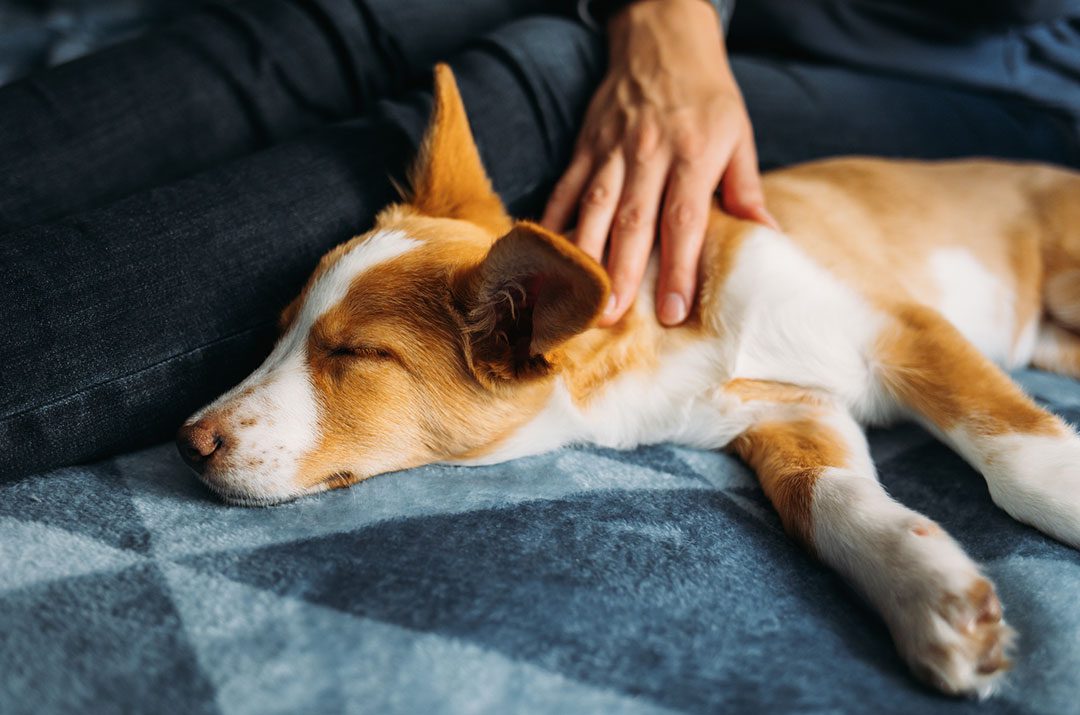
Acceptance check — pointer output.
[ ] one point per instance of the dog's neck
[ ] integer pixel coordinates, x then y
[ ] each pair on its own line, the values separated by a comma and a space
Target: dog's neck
633, 383
638, 381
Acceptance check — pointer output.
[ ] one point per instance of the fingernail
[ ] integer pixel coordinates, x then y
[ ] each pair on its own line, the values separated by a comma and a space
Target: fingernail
612, 301
771, 220
672, 309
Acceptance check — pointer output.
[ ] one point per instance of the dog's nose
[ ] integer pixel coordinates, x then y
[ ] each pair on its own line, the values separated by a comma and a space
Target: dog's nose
198, 443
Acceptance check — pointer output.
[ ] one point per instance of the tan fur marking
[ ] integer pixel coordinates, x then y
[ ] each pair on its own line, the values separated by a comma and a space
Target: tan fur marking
1058, 350
449, 180
769, 391
416, 402
886, 218
789, 453
929, 365
788, 458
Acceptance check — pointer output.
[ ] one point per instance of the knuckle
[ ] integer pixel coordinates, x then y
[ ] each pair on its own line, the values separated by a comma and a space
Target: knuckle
680, 215
630, 218
688, 145
606, 136
645, 143
597, 195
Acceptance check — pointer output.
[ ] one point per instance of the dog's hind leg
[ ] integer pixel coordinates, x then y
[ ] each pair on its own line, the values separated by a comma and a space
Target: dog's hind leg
814, 464
1057, 349
1058, 345
1060, 240
1029, 457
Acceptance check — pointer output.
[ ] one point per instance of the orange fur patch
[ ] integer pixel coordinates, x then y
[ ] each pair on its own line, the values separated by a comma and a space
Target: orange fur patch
875, 223
390, 364
790, 451
448, 180
788, 457
532, 292
929, 366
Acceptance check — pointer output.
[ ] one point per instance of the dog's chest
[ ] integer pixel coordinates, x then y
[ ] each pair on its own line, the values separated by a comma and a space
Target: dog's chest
783, 319
786, 319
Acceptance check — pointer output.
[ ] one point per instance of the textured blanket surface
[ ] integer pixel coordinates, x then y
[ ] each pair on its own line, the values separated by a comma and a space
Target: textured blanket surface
585, 580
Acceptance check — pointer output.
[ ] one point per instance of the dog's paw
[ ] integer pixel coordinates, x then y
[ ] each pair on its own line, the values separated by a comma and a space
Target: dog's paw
956, 639
1036, 480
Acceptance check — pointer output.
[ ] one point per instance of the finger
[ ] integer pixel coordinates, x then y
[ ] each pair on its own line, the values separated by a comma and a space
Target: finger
633, 232
682, 234
740, 189
597, 208
564, 197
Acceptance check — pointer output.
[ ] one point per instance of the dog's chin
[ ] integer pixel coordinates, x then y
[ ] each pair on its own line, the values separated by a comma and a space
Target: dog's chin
247, 499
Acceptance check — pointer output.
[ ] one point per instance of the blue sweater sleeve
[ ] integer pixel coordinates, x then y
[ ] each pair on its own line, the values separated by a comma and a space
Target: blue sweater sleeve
588, 15
1029, 12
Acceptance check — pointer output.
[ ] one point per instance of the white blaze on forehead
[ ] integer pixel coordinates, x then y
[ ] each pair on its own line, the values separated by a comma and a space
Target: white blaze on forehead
334, 284
278, 397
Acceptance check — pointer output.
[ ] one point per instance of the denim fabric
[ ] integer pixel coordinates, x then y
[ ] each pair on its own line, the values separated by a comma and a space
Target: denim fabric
123, 318
227, 80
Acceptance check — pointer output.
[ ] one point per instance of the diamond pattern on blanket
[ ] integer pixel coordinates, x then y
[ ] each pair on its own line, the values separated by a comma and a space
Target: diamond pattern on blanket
34, 552
266, 652
586, 580
99, 507
186, 519
98, 643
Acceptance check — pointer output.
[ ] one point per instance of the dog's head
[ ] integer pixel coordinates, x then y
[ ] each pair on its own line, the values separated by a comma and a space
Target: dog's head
429, 338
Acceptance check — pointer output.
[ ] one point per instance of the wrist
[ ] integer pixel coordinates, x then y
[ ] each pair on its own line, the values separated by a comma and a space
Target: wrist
688, 29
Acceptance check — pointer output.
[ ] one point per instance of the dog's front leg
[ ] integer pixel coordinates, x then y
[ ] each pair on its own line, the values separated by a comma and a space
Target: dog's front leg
814, 464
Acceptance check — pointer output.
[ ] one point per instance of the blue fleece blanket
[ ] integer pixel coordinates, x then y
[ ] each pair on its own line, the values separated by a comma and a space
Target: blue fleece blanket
585, 580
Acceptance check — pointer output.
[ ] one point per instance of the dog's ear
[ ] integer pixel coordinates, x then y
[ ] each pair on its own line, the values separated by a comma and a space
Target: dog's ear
533, 291
448, 179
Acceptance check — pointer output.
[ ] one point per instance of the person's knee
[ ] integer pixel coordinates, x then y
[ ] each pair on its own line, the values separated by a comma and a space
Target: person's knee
528, 106
525, 86
568, 56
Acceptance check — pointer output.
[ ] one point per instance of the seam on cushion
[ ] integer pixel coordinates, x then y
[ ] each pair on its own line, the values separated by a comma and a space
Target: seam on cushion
95, 386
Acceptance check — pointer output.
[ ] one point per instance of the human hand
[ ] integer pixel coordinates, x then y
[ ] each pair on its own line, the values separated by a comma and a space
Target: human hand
665, 127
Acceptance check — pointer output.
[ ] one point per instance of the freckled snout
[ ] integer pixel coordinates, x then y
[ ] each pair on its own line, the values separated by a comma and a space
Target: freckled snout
200, 443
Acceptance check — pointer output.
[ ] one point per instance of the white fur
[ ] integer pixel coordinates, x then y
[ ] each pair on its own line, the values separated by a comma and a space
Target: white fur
795, 322
263, 459
334, 284
1024, 349
674, 404
785, 319
913, 573
1054, 347
973, 298
1035, 478
907, 567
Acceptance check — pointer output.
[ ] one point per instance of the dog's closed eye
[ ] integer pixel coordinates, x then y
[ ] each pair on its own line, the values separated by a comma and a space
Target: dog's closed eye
361, 351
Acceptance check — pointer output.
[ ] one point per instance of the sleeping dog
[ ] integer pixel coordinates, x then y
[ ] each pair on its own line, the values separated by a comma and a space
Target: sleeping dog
452, 333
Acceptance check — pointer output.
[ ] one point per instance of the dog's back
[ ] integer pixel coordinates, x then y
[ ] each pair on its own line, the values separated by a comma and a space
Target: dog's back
990, 245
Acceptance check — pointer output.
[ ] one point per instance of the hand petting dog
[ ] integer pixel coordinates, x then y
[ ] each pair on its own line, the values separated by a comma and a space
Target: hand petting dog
666, 126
